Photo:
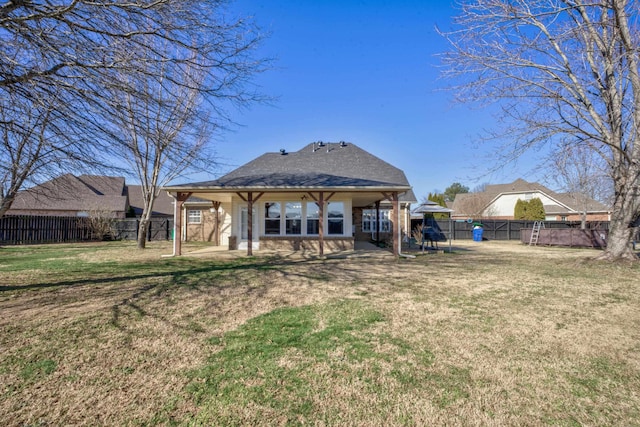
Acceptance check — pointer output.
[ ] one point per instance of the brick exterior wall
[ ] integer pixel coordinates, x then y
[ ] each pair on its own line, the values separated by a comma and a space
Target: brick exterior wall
331, 244
384, 236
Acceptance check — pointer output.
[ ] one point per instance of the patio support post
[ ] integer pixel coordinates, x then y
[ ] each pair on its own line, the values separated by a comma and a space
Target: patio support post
250, 223
250, 200
177, 219
395, 203
216, 223
396, 231
320, 201
378, 223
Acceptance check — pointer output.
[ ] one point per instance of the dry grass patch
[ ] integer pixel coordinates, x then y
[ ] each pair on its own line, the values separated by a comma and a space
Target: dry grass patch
492, 334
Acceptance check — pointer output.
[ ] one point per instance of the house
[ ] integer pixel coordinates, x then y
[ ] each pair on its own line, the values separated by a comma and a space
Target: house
70, 195
498, 202
162, 206
326, 195
87, 195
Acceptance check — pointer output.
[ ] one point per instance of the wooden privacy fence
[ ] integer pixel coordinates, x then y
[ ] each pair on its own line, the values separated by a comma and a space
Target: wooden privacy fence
572, 237
159, 229
22, 230
503, 229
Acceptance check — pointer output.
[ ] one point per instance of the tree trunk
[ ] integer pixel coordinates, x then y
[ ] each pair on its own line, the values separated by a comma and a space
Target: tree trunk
5, 204
625, 208
145, 219
618, 242
143, 229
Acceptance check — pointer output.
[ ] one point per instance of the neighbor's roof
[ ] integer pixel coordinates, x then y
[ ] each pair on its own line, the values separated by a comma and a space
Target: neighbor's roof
163, 204
71, 193
467, 203
331, 165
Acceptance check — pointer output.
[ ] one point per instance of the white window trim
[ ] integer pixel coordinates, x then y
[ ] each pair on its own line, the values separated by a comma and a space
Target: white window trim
385, 220
190, 219
347, 218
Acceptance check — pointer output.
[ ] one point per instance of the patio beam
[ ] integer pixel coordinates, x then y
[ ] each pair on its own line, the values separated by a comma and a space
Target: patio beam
395, 202
216, 222
177, 219
250, 201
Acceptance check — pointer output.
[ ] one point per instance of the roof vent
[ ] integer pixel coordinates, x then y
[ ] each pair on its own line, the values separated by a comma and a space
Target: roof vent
320, 144
343, 144
283, 152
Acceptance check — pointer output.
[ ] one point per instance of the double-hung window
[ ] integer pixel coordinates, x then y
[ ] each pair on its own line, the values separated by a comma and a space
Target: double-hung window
335, 217
272, 214
313, 218
369, 220
293, 218
194, 216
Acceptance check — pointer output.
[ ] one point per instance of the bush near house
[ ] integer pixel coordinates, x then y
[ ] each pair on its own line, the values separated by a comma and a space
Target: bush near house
519, 211
532, 210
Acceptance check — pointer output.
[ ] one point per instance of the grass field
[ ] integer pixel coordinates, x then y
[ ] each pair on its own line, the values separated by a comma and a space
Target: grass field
493, 334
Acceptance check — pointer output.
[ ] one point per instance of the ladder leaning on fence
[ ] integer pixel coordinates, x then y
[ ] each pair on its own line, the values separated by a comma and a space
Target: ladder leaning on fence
535, 232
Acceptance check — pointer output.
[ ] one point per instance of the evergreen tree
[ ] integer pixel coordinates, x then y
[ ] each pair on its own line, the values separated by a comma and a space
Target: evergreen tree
520, 210
535, 210
455, 188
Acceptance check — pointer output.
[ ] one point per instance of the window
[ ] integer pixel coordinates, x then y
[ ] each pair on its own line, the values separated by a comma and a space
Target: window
272, 218
313, 218
293, 218
335, 217
194, 216
369, 220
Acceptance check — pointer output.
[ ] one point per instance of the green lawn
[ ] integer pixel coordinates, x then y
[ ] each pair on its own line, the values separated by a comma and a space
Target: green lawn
491, 334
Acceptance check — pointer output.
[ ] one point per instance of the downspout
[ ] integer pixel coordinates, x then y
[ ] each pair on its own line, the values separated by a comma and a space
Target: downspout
175, 208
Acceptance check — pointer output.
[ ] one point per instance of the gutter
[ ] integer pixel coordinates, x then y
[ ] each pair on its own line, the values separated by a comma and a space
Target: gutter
175, 208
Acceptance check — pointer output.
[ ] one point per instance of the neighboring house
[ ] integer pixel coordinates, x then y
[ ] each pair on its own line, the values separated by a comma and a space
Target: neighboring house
162, 206
498, 202
88, 195
68, 195
324, 195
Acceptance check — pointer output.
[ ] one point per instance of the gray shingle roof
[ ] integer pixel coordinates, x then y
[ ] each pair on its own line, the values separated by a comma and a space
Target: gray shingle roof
71, 193
162, 206
332, 165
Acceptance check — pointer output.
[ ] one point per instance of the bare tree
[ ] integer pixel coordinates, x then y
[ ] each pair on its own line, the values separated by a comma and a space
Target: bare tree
562, 72
162, 130
78, 50
37, 140
583, 175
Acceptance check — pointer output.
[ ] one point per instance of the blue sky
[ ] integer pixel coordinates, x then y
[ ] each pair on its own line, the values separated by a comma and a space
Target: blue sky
364, 72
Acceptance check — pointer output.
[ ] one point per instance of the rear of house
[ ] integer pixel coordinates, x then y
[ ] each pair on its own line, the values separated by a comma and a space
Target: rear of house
324, 195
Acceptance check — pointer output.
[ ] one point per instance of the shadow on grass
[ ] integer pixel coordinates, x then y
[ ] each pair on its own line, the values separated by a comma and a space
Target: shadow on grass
178, 269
